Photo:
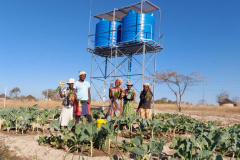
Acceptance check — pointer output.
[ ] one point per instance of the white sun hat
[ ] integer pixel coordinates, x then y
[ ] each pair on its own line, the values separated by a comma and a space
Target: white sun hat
71, 80
81, 72
129, 83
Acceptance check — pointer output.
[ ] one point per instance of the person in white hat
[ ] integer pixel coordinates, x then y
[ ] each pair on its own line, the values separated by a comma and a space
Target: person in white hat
144, 108
128, 99
83, 97
68, 104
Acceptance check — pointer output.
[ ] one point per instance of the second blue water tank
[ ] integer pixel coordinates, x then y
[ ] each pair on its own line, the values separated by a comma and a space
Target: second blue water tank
131, 25
105, 35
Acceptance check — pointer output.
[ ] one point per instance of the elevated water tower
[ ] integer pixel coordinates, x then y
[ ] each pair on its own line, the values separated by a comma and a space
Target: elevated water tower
125, 45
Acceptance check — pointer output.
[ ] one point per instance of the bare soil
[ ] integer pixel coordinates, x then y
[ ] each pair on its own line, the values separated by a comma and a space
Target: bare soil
229, 119
9, 153
26, 146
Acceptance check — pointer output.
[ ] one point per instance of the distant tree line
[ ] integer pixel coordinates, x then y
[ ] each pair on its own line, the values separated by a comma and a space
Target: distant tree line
50, 94
164, 100
15, 94
164, 76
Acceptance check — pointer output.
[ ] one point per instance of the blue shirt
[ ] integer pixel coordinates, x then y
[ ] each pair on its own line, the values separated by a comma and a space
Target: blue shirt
82, 89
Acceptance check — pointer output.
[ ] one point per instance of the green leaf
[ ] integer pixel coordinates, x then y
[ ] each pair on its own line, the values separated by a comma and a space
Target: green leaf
78, 128
174, 143
26, 117
217, 157
137, 140
138, 151
204, 154
6, 150
55, 124
145, 147
156, 146
68, 137
70, 124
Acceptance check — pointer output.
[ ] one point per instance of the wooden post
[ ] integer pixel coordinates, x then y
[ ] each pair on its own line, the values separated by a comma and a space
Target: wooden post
5, 97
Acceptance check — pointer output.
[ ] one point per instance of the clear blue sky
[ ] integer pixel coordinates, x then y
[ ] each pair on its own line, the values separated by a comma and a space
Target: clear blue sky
44, 41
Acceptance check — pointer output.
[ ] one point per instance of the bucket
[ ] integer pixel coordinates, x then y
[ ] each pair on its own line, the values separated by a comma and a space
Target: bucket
101, 121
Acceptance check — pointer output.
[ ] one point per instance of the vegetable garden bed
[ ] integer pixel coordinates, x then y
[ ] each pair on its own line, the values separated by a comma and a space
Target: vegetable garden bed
189, 138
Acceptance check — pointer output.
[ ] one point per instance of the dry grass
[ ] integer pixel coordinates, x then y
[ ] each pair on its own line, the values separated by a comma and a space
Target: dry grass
41, 103
226, 112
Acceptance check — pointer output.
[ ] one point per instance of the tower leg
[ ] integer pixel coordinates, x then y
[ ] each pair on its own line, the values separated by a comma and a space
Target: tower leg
143, 66
115, 66
154, 80
104, 88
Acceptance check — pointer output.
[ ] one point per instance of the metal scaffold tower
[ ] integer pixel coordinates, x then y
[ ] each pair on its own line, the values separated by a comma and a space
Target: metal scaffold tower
130, 60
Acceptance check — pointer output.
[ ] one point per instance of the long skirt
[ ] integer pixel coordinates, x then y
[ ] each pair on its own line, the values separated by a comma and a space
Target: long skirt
115, 109
85, 109
128, 108
66, 115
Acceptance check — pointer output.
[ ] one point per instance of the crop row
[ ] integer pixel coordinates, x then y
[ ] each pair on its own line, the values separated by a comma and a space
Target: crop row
147, 137
25, 119
207, 141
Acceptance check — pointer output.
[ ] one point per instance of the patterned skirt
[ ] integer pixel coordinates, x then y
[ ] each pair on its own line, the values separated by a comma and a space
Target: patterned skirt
66, 115
128, 108
145, 113
115, 109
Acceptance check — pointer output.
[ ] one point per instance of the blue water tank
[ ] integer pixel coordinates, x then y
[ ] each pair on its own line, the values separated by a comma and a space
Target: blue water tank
104, 36
131, 27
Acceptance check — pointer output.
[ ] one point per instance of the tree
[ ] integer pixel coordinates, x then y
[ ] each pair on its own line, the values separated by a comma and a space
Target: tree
236, 100
178, 83
50, 94
170, 101
202, 102
161, 101
22, 98
2, 95
15, 92
30, 98
222, 96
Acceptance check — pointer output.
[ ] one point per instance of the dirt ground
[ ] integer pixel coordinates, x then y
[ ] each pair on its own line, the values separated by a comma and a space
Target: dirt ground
26, 146
222, 121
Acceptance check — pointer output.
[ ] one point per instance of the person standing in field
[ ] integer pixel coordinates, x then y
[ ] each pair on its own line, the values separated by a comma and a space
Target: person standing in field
68, 103
144, 108
128, 99
82, 103
115, 95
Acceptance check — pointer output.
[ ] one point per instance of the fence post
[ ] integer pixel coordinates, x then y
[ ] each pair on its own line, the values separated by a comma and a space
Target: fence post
5, 97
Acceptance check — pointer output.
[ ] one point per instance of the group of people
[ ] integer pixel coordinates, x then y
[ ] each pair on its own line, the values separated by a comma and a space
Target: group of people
121, 100
80, 105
